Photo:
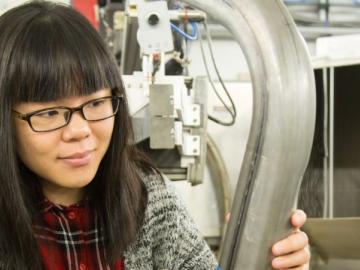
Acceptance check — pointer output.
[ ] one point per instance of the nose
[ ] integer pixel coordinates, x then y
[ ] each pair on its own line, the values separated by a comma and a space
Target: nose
77, 129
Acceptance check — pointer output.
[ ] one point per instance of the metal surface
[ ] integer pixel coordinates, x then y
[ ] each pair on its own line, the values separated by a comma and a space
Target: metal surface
326, 142
190, 15
331, 147
130, 61
282, 127
154, 33
170, 123
196, 170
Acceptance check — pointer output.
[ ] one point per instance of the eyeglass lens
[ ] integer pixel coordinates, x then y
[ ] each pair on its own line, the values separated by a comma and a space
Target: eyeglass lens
94, 110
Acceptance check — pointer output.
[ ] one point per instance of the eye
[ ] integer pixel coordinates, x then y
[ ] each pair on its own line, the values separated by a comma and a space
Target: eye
48, 114
96, 103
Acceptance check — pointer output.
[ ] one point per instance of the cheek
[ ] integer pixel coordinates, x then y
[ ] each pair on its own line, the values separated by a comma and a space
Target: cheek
34, 146
103, 130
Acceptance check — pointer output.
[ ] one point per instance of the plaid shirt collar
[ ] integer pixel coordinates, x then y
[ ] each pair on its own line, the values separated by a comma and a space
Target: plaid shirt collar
70, 238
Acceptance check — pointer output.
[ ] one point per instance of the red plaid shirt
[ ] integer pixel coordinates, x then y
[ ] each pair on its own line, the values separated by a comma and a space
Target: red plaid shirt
70, 239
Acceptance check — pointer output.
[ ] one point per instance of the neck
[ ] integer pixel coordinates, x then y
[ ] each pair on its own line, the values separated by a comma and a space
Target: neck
63, 196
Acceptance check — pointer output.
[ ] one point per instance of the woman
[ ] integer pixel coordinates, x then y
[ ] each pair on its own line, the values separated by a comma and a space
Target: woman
75, 192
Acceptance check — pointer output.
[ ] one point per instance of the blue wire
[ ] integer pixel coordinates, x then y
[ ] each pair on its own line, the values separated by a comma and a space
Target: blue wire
185, 35
218, 268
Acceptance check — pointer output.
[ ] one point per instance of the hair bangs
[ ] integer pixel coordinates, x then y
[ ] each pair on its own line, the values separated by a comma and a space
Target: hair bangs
65, 57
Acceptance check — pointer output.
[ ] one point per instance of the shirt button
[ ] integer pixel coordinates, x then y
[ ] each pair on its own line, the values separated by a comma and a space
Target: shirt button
71, 215
82, 266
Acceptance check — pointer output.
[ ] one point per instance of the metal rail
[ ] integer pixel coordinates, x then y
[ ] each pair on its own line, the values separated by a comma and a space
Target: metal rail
282, 126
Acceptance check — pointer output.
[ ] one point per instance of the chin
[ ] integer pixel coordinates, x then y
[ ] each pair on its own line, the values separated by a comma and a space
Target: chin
81, 183
75, 180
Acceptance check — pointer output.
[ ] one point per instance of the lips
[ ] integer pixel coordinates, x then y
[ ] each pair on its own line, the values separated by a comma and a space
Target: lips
78, 159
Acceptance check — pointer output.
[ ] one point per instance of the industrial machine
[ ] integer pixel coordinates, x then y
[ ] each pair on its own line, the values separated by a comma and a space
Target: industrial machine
170, 110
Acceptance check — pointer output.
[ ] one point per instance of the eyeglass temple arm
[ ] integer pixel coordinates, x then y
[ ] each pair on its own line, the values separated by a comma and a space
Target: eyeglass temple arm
20, 115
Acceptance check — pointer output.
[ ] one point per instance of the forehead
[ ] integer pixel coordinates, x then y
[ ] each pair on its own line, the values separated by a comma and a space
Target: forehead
53, 52
72, 101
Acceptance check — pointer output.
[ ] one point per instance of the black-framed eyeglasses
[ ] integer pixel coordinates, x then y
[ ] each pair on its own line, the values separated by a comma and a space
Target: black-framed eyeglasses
53, 118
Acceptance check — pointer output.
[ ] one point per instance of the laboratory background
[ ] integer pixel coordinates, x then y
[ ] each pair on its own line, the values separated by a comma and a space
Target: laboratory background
249, 107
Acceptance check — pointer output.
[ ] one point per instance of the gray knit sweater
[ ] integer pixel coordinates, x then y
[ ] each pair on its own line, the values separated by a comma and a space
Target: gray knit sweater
168, 238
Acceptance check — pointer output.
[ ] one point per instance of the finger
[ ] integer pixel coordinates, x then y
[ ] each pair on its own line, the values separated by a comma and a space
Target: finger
302, 267
294, 242
294, 260
298, 218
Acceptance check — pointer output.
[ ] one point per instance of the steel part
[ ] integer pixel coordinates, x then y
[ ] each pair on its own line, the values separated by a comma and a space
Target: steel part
130, 60
196, 169
191, 145
162, 133
161, 100
154, 33
162, 122
192, 115
331, 145
137, 93
282, 127
187, 15
165, 113
326, 142
175, 174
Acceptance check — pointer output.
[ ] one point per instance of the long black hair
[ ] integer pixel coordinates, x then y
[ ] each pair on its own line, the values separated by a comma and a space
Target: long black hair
49, 51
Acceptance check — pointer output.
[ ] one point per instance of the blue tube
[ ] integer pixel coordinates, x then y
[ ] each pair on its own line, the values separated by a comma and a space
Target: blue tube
185, 35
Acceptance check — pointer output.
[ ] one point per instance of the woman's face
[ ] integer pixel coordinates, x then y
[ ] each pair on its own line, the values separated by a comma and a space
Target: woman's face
66, 159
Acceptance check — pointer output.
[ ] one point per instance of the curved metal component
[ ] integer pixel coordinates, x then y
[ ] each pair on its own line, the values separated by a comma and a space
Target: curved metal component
282, 126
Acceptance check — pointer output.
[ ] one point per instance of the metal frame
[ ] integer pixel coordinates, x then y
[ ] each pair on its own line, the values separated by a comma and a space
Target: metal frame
282, 126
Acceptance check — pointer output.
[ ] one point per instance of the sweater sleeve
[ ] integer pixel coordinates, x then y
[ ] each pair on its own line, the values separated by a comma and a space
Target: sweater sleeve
172, 240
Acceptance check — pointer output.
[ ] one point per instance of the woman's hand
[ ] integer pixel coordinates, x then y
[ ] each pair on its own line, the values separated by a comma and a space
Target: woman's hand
293, 252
